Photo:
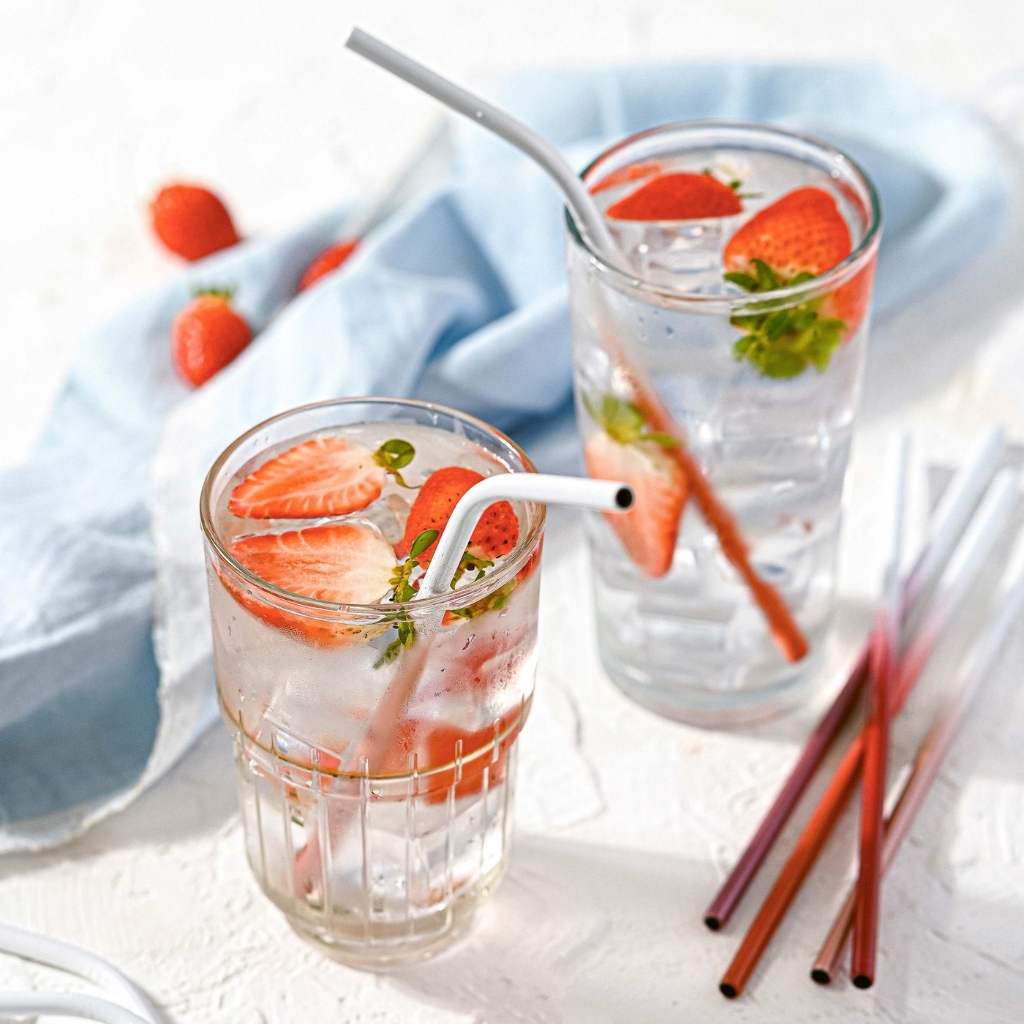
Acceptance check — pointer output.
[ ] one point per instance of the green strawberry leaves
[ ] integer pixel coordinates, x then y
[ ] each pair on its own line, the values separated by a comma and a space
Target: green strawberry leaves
491, 603
783, 343
402, 591
623, 422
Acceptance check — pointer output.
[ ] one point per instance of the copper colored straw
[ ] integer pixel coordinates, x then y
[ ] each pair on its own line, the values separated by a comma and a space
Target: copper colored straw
977, 544
876, 747
783, 627
949, 521
912, 790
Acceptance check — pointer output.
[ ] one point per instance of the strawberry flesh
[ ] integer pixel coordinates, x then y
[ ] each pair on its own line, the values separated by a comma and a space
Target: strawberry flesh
625, 175
342, 563
803, 231
495, 535
679, 196
324, 476
649, 529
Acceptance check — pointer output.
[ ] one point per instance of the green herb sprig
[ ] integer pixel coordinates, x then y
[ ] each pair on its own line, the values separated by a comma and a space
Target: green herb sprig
393, 456
782, 343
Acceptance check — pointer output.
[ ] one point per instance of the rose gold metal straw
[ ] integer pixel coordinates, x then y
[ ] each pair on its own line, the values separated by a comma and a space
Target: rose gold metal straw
962, 570
947, 525
910, 792
883, 661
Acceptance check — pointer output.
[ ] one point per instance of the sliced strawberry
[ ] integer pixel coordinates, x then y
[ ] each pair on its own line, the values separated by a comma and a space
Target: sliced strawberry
439, 743
648, 530
796, 238
803, 232
495, 535
679, 196
324, 476
343, 563
624, 175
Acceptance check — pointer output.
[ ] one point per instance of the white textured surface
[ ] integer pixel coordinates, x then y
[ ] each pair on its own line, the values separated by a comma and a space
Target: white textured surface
626, 822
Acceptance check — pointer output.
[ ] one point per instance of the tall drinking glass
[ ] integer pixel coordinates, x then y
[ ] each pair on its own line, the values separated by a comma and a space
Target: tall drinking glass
375, 737
742, 302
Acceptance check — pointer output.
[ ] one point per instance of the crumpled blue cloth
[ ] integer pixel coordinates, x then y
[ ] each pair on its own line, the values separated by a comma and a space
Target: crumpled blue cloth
459, 298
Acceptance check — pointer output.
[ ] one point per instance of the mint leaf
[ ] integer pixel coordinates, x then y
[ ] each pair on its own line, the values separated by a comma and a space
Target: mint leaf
393, 456
422, 542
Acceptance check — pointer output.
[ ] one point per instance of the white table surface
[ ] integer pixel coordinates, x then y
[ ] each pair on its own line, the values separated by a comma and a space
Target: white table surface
626, 822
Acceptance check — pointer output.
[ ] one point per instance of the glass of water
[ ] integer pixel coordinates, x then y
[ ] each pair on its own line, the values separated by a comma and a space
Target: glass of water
741, 302
375, 735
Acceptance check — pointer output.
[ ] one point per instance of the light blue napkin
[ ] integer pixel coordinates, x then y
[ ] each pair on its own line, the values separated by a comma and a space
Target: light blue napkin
459, 298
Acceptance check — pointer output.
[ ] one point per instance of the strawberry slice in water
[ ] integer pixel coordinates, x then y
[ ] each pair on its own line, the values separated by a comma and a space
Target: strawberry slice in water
324, 476
496, 534
679, 196
343, 563
439, 743
795, 239
627, 450
648, 530
626, 175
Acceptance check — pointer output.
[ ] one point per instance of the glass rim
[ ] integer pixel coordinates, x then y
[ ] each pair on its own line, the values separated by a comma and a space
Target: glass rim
372, 612
843, 271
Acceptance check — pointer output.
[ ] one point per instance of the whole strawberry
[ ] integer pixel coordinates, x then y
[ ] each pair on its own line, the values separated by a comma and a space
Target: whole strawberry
207, 334
330, 259
191, 221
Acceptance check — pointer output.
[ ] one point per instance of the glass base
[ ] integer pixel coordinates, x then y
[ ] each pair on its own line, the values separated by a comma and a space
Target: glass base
384, 947
717, 709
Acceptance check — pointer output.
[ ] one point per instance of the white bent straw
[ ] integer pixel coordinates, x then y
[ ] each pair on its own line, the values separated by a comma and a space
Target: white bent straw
909, 792
953, 511
584, 210
578, 492
959, 575
133, 1006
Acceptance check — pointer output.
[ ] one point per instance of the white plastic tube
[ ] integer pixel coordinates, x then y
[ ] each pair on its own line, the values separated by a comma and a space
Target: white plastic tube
132, 1007
602, 495
584, 210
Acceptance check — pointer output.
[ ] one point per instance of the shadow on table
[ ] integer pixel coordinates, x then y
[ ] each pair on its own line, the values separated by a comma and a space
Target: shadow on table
577, 932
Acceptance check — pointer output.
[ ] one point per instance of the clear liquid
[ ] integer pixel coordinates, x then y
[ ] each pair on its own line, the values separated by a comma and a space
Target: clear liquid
380, 867
692, 645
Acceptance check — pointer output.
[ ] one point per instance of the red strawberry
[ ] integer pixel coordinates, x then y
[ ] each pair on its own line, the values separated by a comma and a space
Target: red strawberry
344, 563
324, 476
330, 259
207, 335
438, 743
648, 530
495, 535
680, 196
624, 175
804, 232
191, 221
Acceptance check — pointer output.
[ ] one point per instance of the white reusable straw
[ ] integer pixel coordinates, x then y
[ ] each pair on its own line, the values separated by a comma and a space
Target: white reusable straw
602, 495
961, 572
953, 512
133, 1006
585, 212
